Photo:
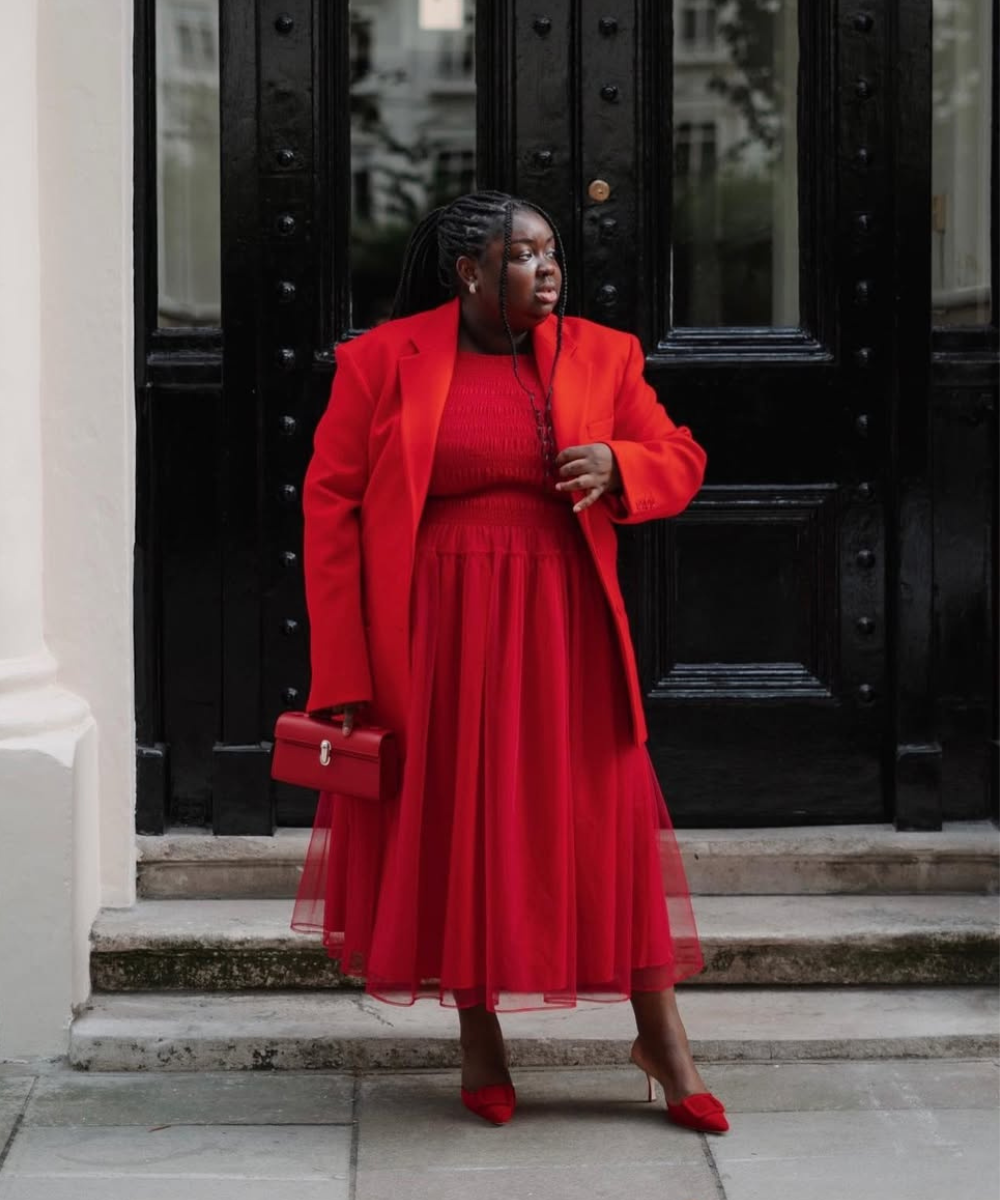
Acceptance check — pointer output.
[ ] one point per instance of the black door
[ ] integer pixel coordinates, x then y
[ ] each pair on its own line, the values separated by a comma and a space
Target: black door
743, 185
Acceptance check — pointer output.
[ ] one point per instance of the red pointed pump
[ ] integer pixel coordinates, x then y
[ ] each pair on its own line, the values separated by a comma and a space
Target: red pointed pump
494, 1103
700, 1111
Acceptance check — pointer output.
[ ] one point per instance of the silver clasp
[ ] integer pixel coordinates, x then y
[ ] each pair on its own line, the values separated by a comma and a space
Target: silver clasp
324, 752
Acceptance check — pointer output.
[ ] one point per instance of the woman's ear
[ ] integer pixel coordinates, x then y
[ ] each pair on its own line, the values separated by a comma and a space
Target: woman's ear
467, 270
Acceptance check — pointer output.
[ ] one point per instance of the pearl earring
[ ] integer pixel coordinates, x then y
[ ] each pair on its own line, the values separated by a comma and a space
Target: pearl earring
472, 288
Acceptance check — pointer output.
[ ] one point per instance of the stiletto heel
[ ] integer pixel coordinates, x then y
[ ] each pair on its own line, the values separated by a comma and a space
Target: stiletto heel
700, 1111
494, 1103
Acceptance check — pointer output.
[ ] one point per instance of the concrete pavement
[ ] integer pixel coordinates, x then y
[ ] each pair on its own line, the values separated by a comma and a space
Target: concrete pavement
895, 1129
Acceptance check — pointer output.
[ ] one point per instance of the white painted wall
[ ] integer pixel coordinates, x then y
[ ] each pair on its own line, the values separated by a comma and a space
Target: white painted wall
88, 407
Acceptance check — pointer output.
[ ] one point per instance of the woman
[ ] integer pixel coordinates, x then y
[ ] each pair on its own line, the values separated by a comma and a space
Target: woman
461, 584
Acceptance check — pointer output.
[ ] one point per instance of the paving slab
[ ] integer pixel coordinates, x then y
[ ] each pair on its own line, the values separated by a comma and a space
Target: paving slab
350, 1031
20, 1068
604, 1181
888, 1130
243, 1098
851, 1086
14, 1092
564, 1119
15, 1088
289, 1153
100, 1187
913, 1155
10, 1111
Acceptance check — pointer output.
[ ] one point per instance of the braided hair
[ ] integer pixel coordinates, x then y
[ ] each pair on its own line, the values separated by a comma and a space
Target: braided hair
467, 226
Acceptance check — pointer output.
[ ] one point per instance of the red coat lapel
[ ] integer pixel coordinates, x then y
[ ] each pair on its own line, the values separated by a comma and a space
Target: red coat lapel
424, 380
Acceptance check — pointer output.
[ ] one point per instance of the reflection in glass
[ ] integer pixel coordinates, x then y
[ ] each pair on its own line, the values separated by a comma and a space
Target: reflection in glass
735, 186
187, 161
413, 132
960, 212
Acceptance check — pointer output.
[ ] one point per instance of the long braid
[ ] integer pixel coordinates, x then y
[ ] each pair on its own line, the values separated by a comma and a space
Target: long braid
508, 232
419, 287
543, 415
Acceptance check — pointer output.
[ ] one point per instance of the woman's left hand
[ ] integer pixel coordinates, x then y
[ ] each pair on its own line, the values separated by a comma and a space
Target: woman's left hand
592, 469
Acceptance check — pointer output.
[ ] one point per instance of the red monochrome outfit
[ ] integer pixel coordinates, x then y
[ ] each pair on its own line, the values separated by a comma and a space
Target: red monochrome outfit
528, 860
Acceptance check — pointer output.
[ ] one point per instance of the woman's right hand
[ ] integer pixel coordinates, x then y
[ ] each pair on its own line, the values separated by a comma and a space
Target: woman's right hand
348, 711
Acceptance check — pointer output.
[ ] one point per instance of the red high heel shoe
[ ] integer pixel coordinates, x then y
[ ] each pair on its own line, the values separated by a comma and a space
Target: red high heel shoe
494, 1103
700, 1111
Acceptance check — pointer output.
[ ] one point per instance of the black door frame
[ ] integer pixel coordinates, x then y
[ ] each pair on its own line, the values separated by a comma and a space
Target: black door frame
219, 610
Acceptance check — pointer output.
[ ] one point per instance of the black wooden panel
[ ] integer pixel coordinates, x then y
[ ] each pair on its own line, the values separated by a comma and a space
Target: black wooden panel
188, 449
287, 665
152, 775
750, 577
964, 434
152, 788
609, 100
289, 241
915, 781
762, 638
740, 764
544, 55
242, 483
152, 798
331, 156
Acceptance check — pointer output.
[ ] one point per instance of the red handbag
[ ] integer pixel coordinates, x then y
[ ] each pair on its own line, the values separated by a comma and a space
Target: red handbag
311, 752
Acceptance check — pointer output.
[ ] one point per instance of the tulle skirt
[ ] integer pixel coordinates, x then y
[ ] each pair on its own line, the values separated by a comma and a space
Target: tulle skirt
529, 859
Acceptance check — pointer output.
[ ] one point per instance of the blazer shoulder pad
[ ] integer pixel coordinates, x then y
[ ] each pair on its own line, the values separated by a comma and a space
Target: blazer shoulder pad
591, 337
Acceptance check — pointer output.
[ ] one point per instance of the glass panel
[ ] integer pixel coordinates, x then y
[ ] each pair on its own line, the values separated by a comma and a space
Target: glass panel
187, 161
413, 132
735, 186
960, 213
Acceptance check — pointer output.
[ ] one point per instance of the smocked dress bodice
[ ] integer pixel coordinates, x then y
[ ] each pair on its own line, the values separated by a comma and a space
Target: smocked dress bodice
488, 452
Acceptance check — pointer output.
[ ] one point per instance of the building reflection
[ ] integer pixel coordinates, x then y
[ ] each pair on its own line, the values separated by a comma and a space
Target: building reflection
188, 162
734, 220
413, 131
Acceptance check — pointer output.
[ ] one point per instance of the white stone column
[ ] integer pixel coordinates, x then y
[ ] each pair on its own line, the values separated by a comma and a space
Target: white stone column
85, 84
48, 766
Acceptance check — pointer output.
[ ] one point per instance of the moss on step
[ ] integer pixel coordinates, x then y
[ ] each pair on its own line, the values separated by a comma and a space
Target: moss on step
942, 959
216, 970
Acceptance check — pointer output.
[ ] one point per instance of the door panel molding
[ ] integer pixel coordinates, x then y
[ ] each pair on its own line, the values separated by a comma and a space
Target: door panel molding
775, 585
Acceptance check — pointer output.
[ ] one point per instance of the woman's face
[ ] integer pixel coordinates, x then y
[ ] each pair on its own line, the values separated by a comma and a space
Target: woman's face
534, 276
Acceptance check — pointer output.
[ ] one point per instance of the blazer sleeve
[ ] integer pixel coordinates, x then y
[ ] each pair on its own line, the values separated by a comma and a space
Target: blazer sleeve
334, 485
660, 463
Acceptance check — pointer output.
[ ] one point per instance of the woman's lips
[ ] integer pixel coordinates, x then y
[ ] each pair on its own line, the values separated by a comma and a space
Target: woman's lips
547, 295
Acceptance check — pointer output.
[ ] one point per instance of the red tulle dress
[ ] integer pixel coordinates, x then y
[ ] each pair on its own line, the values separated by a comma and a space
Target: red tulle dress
529, 859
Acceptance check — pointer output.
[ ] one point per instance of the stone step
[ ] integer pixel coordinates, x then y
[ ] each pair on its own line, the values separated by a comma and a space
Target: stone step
963, 857
232, 945
336, 1031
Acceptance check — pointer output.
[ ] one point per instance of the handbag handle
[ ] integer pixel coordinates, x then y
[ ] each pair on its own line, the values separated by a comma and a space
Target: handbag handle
331, 717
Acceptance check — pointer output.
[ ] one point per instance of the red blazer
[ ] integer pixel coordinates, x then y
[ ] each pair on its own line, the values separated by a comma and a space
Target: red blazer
366, 485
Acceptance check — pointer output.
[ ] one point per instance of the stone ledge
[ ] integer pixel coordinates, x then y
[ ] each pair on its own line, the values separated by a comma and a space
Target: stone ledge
278, 1030
859, 859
